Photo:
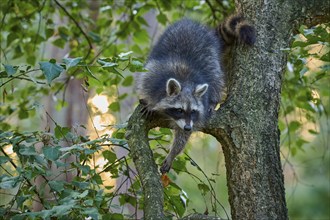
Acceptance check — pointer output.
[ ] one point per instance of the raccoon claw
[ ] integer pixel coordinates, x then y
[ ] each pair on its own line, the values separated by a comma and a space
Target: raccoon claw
166, 166
146, 112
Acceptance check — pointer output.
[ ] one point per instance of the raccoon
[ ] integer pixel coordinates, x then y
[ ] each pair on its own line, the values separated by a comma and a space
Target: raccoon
185, 78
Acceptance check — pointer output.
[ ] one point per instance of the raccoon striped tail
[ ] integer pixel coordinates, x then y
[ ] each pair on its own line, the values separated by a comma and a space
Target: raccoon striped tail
236, 28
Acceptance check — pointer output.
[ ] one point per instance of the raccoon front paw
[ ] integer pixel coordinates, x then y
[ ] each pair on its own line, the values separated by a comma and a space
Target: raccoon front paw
166, 166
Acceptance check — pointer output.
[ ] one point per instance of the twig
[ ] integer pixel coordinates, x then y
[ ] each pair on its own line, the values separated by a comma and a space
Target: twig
212, 10
78, 26
17, 77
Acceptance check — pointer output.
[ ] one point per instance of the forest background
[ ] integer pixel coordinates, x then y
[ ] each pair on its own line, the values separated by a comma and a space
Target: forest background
67, 90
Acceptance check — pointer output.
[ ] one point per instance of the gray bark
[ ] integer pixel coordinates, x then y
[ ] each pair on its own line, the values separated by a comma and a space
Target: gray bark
246, 124
142, 156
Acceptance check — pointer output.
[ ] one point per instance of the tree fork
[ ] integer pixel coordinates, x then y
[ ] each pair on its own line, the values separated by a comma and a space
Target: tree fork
246, 124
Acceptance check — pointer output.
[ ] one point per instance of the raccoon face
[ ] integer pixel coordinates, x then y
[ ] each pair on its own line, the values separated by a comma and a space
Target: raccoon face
183, 105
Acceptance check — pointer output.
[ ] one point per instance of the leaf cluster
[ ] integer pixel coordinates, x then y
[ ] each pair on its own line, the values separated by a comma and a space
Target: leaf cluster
305, 94
100, 44
36, 170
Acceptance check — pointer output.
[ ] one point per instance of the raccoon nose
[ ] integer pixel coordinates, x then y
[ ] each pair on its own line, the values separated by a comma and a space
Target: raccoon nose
187, 128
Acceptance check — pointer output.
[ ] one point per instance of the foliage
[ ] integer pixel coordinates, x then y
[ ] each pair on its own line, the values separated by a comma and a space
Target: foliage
53, 172
34, 175
104, 43
305, 95
304, 123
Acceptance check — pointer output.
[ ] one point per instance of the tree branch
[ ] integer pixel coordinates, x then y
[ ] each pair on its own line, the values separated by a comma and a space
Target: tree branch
311, 12
137, 139
142, 155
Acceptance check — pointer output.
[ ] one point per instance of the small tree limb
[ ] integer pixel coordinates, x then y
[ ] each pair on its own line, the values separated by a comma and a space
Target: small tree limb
142, 155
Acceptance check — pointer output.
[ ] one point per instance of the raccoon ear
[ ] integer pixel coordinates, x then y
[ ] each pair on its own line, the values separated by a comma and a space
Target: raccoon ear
201, 90
173, 87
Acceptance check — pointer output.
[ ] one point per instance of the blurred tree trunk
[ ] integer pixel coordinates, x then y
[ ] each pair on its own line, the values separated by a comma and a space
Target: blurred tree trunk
74, 115
246, 124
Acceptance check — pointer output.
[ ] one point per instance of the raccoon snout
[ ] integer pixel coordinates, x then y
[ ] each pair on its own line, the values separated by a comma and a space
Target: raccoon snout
187, 128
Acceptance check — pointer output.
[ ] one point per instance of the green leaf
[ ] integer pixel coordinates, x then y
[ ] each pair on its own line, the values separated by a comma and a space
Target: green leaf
81, 185
125, 198
21, 199
119, 136
24, 216
27, 151
89, 73
313, 131
178, 204
51, 153
49, 32
116, 216
64, 33
115, 106
303, 71
299, 44
179, 165
122, 55
23, 113
127, 81
97, 178
326, 67
165, 131
142, 21
62, 210
95, 37
71, 62
141, 37
115, 71
11, 37
61, 132
4, 159
294, 125
136, 65
162, 18
301, 142
122, 96
109, 155
83, 194
59, 42
203, 188
9, 182
10, 70
326, 57
92, 212
72, 148
85, 169
31, 59
56, 185
106, 63
50, 70
293, 151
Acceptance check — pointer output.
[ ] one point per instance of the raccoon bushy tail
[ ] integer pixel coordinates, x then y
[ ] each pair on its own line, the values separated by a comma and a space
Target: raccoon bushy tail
236, 28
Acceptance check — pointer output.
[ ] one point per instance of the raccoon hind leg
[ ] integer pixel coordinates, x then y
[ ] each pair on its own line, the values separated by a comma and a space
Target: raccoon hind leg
180, 140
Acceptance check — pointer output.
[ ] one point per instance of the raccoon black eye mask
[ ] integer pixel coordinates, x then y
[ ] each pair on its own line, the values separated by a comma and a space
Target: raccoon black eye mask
185, 77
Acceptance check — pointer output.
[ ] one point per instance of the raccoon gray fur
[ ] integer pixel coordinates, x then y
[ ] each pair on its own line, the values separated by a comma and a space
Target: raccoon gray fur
186, 78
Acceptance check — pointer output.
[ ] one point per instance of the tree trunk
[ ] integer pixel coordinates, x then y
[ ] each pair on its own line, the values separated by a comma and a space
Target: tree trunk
246, 124
249, 118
